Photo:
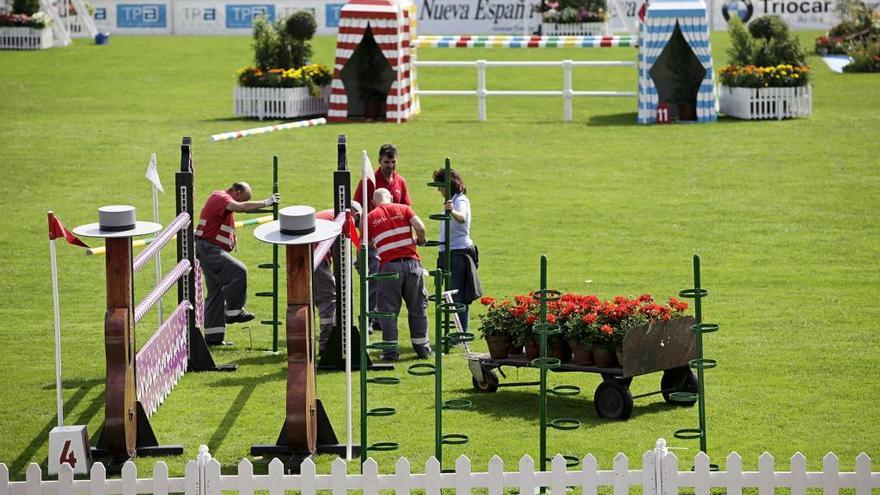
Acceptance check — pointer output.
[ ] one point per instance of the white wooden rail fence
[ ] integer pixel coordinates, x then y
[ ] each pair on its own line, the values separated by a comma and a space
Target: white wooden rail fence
567, 93
660, 475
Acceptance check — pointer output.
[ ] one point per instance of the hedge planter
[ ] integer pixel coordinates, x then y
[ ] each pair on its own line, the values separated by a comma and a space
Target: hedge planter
25, 38
574, 29
765, 103
279, 102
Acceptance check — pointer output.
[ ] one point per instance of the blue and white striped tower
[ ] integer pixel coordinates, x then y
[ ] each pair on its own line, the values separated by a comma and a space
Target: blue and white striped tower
655, 32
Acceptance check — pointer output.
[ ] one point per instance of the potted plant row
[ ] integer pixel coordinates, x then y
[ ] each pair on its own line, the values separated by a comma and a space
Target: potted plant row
767, 77
574, 18
25, 28
282, 84
592, 330
857, 36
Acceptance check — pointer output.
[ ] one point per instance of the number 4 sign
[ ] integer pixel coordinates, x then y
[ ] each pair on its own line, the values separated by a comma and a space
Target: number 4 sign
69, 445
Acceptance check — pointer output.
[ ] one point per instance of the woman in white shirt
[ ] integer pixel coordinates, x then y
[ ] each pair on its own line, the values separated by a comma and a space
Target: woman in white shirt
463, 251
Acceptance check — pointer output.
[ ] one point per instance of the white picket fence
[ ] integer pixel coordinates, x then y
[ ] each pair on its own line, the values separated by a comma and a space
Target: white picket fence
765, 103
279, 102
25, 38
567, 93
575, 29
661, 474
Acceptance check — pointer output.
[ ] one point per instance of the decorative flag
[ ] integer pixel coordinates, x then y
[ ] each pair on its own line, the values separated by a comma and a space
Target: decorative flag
351, 230
153, 173
56, 230
367, 168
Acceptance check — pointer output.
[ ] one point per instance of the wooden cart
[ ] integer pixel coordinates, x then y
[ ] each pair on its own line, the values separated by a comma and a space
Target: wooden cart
666, 346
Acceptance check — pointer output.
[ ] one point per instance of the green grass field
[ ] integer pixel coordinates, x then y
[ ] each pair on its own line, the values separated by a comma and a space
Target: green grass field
784, 215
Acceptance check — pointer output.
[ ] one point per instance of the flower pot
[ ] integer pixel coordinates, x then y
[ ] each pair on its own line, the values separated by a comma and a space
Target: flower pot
604, 358
279, 102
559, 349
533, 350
583, 355
499, 346
618, 353
765, 103
514, 349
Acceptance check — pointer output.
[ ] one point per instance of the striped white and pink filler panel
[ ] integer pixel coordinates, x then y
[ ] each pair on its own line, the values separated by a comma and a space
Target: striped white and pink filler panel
162, 360
200, 301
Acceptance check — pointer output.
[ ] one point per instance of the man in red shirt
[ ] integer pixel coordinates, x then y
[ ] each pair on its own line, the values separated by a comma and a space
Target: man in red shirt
225, 276
386, 178
391, 228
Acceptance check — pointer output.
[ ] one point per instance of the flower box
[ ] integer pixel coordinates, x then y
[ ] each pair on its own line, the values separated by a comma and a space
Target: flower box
765, 103
25, 38
575, 29
279, 102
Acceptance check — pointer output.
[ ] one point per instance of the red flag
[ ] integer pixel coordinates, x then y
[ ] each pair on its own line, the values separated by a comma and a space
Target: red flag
351, 230
57, 230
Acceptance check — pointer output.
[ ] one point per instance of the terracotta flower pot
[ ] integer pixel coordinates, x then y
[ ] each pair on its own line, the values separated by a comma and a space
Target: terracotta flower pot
618, 352
604, 358
514, 349
583, 355
533, 350
559, 349
499, 346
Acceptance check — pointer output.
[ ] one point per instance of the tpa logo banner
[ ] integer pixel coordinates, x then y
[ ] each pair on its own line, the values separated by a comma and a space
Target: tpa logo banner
331, 14
243, 15
141, 15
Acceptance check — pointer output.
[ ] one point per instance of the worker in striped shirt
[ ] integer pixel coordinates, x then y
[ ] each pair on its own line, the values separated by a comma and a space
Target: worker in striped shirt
395, 230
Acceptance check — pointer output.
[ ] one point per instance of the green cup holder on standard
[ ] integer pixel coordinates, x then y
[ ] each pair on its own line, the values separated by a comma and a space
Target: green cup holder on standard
440, 216
384, 276
704, 328
693, 293
688, 433
455, 338
547, 328
548, 295
383, 346
454, 439
684, 397
452, 307
565, 390
437, 184
269, 322
705, 363
380, 314
565, 424
265, 294
457, 404
546, 363
382, 411
432, 244
422, 369
384, 380
267, 266
384, 446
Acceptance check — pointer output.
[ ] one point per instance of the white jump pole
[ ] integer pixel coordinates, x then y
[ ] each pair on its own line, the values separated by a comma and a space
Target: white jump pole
57, 333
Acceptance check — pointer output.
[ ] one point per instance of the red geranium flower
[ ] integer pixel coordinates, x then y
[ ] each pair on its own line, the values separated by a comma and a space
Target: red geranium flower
487, 301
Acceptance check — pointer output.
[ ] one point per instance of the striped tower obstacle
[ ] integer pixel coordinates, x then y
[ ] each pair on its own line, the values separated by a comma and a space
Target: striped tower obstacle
663, 19
493, 41
388, 21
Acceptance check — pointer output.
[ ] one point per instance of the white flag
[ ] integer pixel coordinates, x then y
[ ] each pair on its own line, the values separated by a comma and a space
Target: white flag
367, 168
153, 173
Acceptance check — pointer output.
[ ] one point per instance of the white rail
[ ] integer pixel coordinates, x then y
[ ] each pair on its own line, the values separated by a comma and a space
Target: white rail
567, 92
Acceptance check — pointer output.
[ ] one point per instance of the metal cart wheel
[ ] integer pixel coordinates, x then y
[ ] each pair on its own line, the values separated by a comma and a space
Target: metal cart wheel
489, 384
613, 400
678, 380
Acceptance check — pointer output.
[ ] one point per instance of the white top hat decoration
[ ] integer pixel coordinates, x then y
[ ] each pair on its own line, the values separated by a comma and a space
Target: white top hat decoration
297, 225
117, 221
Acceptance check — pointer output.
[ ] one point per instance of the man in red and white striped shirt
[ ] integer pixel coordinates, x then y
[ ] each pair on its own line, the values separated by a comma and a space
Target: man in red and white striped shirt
225, 276
391, 230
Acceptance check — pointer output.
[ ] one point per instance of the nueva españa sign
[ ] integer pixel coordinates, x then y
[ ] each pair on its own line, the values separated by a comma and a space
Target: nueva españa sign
477, 17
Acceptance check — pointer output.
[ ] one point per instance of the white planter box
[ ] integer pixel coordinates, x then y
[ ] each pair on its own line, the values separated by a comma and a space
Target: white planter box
279, 102
25, 38
575, 29
765, 103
